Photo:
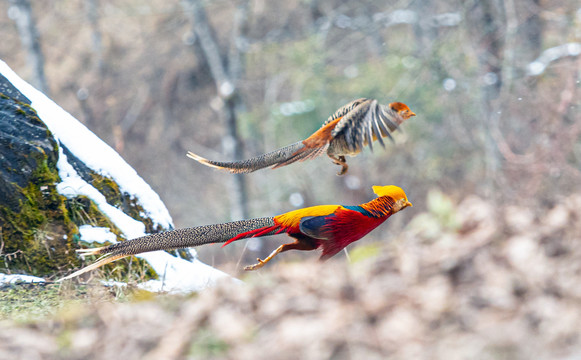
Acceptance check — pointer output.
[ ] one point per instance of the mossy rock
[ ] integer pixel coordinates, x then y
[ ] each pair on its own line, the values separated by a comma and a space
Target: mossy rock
39, 228
83, 211
37, 236
114, 196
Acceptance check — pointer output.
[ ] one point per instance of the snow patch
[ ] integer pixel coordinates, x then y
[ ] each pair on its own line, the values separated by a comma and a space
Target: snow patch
73, 185
180, 275
96, 234
11, 279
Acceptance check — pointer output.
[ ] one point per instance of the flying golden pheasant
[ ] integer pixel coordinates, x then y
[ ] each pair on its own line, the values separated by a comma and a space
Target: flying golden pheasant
346, 132
330, 227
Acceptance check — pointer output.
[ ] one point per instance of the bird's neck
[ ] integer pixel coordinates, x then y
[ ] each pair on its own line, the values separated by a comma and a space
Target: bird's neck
380, 207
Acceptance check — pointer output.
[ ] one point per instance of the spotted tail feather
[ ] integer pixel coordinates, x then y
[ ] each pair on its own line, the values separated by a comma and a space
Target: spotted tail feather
174, 239
277, 158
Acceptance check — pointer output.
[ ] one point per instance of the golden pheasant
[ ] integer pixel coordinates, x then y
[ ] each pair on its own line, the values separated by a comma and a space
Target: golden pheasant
331, 227
346, 132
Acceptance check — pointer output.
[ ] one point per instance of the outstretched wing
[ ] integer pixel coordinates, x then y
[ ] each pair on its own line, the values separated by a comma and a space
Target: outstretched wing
365, 123
316, 144
344, 110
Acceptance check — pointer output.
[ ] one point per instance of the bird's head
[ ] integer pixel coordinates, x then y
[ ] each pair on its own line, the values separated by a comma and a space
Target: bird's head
394, 192
401, 110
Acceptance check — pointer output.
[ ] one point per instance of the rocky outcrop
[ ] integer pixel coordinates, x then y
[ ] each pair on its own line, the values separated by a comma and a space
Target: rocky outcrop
64, 188
39, 226
37, 232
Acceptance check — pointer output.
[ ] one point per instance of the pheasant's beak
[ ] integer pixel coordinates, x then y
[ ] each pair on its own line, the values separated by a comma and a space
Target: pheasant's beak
408, 204
411, 113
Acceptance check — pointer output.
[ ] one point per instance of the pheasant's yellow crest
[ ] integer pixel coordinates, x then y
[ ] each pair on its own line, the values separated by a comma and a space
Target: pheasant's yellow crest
395, 192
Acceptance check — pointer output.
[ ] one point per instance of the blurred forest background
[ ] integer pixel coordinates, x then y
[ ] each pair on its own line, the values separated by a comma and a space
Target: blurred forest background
495, 85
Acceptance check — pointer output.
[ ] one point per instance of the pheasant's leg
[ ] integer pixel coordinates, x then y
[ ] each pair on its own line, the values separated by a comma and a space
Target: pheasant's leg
340, 160
297, 245
261, 263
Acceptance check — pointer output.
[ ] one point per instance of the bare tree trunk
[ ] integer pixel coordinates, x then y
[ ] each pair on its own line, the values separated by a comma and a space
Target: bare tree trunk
92, 8
531, 30
21, 13
226, 83
487, 25
92, 13
238, 41
426, 35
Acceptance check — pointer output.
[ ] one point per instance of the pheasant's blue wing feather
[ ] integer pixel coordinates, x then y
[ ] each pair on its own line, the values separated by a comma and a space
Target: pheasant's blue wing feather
315, 226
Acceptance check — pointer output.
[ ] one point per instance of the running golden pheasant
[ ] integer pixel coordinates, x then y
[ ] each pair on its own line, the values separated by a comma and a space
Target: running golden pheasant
330, 227
346, 132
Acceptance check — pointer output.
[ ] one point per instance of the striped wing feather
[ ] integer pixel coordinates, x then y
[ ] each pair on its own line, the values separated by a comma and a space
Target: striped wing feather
366, 122
344, 110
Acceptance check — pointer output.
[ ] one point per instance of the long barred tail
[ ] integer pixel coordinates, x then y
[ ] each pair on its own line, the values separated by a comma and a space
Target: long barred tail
177, 239
276, 158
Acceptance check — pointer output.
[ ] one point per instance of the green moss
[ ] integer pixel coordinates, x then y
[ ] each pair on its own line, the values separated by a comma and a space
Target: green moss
30, 114
108, 188
115, 197
83, 211
35, 232
40, 235
39, 227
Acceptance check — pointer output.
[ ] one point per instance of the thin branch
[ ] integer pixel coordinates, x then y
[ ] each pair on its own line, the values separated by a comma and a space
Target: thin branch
238, 43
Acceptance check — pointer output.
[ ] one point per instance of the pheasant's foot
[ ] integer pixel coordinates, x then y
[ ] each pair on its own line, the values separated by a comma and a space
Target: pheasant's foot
255, 266
343, 163
340, 160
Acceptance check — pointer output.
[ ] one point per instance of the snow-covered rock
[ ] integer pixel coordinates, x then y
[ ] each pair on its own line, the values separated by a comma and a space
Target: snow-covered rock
86, 166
